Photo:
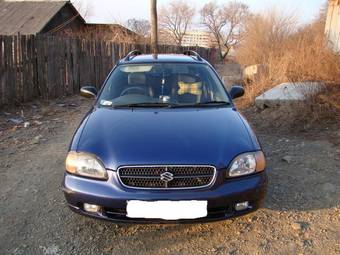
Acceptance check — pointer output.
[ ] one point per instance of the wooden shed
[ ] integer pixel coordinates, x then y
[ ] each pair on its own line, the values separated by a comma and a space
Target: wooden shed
58, 18
34, 17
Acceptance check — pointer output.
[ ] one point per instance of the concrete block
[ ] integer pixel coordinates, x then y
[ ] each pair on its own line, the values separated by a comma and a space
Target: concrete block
287, 93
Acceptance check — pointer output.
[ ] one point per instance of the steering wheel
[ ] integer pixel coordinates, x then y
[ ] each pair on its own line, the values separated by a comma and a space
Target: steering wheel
125, 91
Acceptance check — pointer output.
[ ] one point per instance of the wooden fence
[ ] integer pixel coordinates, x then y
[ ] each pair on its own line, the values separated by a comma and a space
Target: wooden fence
48, 67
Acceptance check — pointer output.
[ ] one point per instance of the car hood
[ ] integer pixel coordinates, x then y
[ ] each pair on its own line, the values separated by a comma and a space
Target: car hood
212, 136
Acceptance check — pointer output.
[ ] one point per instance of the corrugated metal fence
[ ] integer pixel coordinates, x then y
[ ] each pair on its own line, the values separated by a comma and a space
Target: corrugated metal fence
48, 67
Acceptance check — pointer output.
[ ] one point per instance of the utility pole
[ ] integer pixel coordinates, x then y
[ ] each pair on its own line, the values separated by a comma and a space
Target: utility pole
154, 27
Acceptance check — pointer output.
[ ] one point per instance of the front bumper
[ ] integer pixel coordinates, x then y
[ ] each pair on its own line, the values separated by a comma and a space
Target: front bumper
113, 197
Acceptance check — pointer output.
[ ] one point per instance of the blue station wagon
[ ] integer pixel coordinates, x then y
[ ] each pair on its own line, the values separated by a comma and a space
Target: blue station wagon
164, 143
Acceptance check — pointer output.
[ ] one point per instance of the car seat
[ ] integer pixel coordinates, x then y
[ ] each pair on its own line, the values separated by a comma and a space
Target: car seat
188, 89
138, 81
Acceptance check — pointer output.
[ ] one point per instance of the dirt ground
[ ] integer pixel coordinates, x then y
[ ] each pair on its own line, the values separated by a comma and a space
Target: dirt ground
300, 214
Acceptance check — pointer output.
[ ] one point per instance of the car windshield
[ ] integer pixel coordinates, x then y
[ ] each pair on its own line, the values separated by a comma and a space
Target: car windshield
161, 84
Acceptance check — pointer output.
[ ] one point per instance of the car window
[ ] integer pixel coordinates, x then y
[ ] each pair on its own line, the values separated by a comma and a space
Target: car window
179, 84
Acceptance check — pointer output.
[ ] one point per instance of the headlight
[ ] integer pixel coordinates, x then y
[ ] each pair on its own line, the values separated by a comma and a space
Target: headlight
247, 163
85, 164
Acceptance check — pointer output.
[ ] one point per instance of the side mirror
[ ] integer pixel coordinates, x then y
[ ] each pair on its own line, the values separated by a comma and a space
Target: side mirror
236, 91
88, 91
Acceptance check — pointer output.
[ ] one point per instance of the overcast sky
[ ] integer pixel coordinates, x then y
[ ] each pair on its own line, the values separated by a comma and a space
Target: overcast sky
108, 11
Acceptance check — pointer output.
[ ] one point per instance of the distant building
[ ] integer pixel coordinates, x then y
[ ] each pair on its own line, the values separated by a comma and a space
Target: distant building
332, 28
56, 18
199, 38
191, 38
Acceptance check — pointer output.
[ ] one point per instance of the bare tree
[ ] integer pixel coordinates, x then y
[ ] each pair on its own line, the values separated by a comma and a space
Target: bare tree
84, 8
176, 18
139, 26
226, 23
154, 26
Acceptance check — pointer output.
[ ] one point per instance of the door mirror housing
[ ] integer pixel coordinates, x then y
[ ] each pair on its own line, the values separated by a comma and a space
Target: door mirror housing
236, 91
88, 91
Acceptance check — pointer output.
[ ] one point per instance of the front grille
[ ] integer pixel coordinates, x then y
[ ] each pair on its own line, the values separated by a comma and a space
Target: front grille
166, 177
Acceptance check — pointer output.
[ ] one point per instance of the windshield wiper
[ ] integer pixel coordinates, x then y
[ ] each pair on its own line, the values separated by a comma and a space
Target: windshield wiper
202, 104
142, 105
156, 105
213, 103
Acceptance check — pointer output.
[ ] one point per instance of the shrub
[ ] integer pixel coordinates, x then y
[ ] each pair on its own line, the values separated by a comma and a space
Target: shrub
291, 54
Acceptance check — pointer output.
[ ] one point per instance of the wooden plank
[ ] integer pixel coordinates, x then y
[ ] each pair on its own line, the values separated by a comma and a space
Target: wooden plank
30, 84
104, 64
97, 66
112, 54
25, 86
17, 69
60, 66
83, 63
1, 51
100, 66
40, 67
10, 81
116, 52
68, 68
29, 81
108, 62
33, 57
91, 63
7, 68
81, 59
56, 62
83, 73
86, 69
2, 71
50, 84
68, 80
6, 71
5, 75
64, 66
30, 60
76, 49
45, 49
96, 63
36, 66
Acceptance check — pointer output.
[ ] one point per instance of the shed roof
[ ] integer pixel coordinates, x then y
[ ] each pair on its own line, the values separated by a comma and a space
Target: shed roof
27, 17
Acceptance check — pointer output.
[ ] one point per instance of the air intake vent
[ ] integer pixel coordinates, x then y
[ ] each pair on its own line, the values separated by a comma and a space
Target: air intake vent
166, 177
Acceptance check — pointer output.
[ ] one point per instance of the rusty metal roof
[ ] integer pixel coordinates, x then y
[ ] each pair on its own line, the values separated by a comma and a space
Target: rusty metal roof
27, 17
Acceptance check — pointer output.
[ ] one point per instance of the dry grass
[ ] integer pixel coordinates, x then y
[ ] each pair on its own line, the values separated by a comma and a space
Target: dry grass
291, 54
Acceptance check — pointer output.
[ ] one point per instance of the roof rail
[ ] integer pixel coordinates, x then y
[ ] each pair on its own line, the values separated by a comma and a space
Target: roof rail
193, 53
132, 54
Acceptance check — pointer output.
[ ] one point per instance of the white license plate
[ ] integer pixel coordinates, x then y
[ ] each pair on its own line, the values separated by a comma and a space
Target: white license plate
167, 210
